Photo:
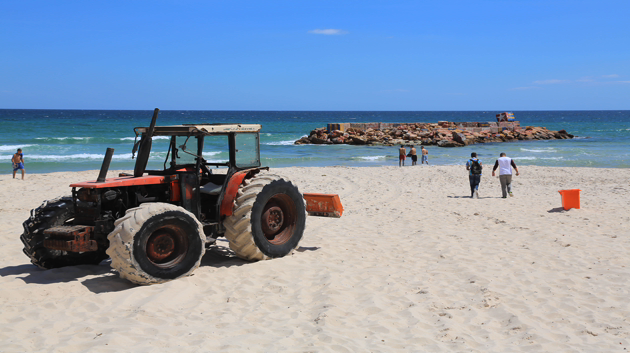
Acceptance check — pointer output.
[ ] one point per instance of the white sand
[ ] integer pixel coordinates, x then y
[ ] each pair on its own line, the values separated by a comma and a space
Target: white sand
413, 265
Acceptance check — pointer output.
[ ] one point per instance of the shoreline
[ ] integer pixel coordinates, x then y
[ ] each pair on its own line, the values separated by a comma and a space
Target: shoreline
392, 158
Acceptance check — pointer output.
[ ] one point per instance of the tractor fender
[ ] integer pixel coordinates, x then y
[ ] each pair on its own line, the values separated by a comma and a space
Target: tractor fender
227, 205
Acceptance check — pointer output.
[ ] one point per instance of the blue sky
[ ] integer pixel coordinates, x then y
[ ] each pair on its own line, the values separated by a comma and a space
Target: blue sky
315, 55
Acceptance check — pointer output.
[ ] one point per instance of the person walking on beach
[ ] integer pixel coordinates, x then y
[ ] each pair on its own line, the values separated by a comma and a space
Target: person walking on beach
414, 156
402, 154
18, 162
474, 167
425, 156
505, 165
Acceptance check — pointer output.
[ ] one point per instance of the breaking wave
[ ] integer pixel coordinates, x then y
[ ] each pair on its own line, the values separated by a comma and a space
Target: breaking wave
372, 158
61, 138
280, 143
13, 147
539, 150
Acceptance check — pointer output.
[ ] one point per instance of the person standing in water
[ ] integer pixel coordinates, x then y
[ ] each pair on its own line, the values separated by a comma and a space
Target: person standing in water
18, 162
425, 156
414, 156
402, 154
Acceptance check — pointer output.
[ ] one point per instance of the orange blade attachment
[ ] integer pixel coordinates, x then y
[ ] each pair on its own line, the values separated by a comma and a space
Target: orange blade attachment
323, 205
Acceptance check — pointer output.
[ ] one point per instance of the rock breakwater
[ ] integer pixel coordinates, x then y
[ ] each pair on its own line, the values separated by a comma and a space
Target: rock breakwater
442, 134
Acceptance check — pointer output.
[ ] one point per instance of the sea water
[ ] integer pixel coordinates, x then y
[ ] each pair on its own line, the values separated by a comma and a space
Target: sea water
73, 140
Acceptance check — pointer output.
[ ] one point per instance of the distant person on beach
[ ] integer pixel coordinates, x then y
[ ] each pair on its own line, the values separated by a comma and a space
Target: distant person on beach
474, 167
414, 156
18, 162
425, 155
402, 154
505, 165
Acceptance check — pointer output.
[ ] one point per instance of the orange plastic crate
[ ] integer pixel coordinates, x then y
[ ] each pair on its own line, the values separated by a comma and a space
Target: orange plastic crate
570, 198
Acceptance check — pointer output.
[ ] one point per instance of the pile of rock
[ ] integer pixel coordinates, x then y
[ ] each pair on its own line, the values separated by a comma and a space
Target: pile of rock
443, 134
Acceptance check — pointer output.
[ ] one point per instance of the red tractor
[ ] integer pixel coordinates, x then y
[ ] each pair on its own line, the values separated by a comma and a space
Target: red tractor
155, 225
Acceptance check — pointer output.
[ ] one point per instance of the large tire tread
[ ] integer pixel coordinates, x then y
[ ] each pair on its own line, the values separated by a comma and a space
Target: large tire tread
121, 241
238, 226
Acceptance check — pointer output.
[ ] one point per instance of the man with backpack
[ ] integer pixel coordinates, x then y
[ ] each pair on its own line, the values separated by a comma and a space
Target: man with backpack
474, 167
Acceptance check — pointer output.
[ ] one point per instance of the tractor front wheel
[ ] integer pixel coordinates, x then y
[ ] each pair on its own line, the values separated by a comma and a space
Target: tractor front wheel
268, 220
155, 243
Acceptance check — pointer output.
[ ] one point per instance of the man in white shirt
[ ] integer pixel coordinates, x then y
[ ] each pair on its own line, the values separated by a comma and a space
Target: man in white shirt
505, 165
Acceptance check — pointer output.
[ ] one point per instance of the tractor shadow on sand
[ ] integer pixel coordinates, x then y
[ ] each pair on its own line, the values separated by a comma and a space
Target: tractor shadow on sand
102, 279
220, 255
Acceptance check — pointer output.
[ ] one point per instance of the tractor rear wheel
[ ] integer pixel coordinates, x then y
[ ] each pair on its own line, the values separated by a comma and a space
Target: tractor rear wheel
156, 243
269, 218
52, 213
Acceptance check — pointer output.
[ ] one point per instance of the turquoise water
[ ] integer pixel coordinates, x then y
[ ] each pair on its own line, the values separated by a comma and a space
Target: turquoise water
72, 140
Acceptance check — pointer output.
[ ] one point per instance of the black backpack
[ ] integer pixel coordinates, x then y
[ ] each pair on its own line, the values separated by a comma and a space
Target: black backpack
475, 167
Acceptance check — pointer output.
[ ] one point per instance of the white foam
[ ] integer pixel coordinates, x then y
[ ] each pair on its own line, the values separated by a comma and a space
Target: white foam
213, 153
280, 143
372, 158
532, 158
81, 156
154, 138
539, 150
62, 138
13, 147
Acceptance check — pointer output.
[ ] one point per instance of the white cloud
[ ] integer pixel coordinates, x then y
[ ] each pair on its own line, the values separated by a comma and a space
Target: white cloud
550, 82
329, 31
610, 76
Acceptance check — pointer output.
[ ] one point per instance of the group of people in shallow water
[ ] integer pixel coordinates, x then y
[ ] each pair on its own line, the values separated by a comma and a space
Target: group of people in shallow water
402, 155
474, 167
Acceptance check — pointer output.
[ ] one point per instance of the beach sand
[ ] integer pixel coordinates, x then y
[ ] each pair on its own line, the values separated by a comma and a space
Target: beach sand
414, 265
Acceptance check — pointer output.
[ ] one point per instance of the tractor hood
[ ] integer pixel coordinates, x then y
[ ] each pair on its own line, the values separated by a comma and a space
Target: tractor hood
124, 181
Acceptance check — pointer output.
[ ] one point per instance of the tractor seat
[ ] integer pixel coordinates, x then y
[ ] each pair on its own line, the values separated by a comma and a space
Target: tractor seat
210, 189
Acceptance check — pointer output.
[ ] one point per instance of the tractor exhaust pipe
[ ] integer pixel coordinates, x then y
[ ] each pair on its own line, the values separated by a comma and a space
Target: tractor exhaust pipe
145, 147
153, 120
105, 165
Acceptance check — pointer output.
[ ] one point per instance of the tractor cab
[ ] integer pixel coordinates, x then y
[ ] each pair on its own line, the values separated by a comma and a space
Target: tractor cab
188, 142
201, 160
